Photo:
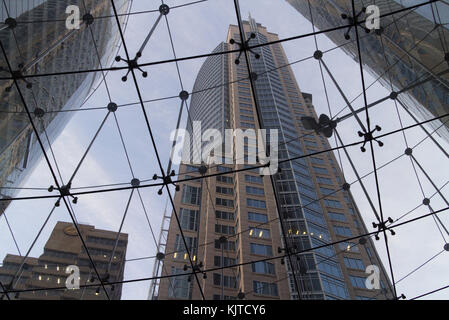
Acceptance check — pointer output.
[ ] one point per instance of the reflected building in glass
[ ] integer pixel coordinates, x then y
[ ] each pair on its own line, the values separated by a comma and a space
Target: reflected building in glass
411, 49
37, 41
232, 219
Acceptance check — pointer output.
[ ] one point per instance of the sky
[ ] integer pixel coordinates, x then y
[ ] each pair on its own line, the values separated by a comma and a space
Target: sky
197, 29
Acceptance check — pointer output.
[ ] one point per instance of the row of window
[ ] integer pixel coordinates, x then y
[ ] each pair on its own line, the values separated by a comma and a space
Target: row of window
225, 179
254, 179
261, 204
224, 215
263, 267
259, 233
224, 190
265, 288
226, 261
191, 195
257, 217
343, 231
224, 202
255, 191
228, 281
224, 229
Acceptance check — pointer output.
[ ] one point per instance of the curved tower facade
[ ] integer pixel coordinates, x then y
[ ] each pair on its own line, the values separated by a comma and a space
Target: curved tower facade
232, 220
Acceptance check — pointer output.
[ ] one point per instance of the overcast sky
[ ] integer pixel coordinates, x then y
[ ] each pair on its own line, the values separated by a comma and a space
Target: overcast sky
197, 29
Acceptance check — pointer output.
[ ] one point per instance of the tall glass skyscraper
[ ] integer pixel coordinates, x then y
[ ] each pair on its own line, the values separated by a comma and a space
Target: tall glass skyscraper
411, 47
37, 41
232, 219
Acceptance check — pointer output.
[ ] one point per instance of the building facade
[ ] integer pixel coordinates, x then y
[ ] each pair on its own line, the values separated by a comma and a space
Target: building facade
37, 41
232, 219
64, 248
411, 48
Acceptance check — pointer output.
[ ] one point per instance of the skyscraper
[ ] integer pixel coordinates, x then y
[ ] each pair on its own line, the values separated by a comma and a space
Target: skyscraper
233, 219
63, 249
37, 41
410, 48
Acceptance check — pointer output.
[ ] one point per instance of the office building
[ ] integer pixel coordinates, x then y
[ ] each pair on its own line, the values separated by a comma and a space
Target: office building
232, 219
64, 248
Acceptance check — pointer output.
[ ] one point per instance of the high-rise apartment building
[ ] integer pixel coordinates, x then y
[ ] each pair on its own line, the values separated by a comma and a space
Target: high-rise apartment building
232, 219
410, 48
37, 41
64, 248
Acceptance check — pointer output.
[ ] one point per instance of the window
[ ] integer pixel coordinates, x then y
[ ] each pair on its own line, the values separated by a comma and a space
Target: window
337, 216
263, 267
332, 203
257, 217
224, 190
320, 170
324, 180
246, 111
227, 261
327, 191
269, 289
354, 263
329, 266
179, 286
187, 176
246, 118
261, 249
228, 245
319, 232
224, 215
225, 179
220, 228
334, 287
349, 246
191, 169
343, 231
254, 179
310, 143
286, 186
228, 281
247, 125
105, 241
255, 191
189, 219
327, 251
256, 203
223, 169
224, 202
191, 195
358, 282
289, 198
317, 160
180, 249
259, 233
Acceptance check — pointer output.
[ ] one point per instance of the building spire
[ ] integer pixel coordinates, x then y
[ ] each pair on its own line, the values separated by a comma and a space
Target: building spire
252, 23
